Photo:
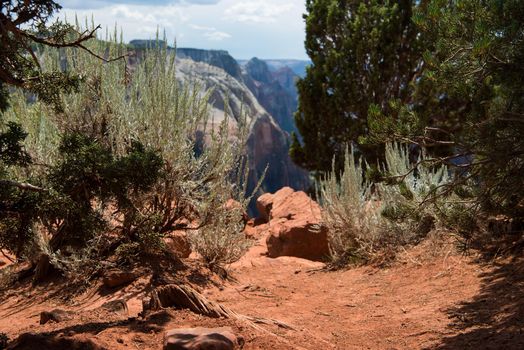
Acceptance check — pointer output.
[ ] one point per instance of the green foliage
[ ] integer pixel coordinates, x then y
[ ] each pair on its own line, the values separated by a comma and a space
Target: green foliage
366, 218
23, 31
475, 63
18, 212
121, 171
86, 173
11, 150
446, 78
406, 190
365, 55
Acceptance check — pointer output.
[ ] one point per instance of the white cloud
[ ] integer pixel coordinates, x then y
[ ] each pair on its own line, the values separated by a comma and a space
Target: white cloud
197, 27
206, 24
211, 33
258, 11
217, 36
94, 4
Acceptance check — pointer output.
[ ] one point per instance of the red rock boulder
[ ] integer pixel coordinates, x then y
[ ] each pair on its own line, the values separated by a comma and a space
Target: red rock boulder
295, 225
266, 201
116, 278
201, 339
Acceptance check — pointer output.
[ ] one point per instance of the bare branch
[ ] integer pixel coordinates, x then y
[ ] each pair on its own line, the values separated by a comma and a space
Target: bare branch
22, 185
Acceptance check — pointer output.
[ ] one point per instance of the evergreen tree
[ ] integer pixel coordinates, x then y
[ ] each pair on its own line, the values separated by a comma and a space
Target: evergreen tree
364, 54
479, 60
476, 64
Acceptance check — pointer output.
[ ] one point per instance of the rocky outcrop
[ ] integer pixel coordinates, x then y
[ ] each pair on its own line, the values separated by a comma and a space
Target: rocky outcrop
288, 80
268, 144
216, 58
278, 100
295, 225
258, 71
202, 339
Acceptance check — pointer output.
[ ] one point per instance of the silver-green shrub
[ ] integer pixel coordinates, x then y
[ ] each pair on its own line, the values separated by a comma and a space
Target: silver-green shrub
139, 98
407, 189
350, 212
365, 217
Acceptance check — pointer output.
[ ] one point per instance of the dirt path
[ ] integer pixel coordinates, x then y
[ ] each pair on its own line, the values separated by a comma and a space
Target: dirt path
444, 302
402, 307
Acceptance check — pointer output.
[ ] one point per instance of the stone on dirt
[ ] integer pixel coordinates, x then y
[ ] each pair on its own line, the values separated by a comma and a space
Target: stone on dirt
118, 306
55, 315
202, 339
116, 278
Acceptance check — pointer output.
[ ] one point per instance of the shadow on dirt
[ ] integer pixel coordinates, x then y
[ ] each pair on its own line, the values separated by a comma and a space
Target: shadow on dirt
494, 319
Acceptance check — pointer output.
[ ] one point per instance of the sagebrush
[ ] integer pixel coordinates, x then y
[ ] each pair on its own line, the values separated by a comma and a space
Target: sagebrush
122, 164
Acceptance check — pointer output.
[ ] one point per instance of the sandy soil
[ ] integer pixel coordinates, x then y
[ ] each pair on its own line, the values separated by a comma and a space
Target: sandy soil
447, 301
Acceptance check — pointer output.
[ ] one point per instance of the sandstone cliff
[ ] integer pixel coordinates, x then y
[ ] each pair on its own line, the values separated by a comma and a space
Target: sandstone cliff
268, 143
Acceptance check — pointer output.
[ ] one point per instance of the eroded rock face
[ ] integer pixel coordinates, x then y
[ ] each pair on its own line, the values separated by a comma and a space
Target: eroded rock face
295, 225
268, 145
268, 142
217, 58
279, 100
201, 339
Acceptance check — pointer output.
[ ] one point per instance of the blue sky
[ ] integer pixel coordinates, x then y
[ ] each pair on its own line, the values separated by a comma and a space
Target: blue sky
246, 28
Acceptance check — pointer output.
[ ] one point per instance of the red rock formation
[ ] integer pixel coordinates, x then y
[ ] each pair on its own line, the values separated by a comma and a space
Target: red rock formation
295, 225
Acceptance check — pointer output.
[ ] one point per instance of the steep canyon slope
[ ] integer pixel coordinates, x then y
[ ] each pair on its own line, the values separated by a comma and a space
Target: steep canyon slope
269, 107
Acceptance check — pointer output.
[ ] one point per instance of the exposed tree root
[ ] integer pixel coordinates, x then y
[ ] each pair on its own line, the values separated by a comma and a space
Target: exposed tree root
184, 296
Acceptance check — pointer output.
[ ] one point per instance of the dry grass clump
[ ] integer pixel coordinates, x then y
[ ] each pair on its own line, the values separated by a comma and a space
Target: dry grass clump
372, 220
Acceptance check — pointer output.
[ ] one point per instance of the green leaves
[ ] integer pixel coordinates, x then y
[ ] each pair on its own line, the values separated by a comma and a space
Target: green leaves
365, 55
11, 149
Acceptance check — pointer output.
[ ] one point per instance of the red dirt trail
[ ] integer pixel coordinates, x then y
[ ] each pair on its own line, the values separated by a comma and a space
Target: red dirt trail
446, 301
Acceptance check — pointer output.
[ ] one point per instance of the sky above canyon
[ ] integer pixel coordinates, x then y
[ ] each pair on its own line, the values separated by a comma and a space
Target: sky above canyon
245, 28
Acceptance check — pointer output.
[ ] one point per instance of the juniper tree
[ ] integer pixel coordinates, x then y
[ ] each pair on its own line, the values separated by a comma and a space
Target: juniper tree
363, 53
476, 63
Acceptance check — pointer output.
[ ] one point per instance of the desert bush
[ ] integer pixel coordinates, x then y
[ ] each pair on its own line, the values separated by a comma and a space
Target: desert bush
221, 241
123, 159
422, 195
350, 212
406, 190
365, 217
